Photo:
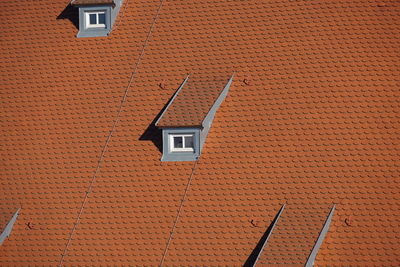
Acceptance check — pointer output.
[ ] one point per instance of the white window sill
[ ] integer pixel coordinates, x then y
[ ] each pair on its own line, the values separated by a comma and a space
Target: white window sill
101, 26
182, 150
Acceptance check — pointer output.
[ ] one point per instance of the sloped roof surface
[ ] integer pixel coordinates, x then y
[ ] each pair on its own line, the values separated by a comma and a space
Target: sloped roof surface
315, 123
194, 101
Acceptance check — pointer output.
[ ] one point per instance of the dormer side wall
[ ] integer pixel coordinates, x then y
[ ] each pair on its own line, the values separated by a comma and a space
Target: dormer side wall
207, 122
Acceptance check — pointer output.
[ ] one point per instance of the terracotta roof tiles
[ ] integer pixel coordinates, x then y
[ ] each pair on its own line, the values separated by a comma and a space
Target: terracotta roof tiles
311, 120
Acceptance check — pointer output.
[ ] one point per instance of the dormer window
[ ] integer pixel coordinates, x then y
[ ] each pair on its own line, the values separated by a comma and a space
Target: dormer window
96, 19
187, 119
181, 142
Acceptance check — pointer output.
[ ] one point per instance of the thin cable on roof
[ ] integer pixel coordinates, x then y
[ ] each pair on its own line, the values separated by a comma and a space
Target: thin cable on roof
110, 134
179, 213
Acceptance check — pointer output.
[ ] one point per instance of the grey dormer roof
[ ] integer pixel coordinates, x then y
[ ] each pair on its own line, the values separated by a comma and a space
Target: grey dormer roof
195, 99
92, 2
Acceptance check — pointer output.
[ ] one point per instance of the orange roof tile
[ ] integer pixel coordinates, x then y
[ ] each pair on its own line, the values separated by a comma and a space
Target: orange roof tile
310, 120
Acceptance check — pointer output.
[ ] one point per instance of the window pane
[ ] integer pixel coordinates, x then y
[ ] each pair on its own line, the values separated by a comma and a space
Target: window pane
178, 142
102, 18
189, 141
92, 19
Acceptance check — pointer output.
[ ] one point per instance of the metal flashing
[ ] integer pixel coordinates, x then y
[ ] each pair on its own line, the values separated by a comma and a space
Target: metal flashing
320, 239
7, 230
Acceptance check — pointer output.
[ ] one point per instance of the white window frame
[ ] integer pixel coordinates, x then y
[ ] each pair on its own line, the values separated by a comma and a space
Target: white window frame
97, 13
180, 149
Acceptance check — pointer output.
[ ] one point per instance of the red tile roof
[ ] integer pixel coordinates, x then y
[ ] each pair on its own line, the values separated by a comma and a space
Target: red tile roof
192, 104
310, 120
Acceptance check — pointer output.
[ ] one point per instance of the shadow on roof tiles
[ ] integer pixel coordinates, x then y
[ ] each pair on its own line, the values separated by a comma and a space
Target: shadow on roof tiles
70, 13
251, 260
152, 132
